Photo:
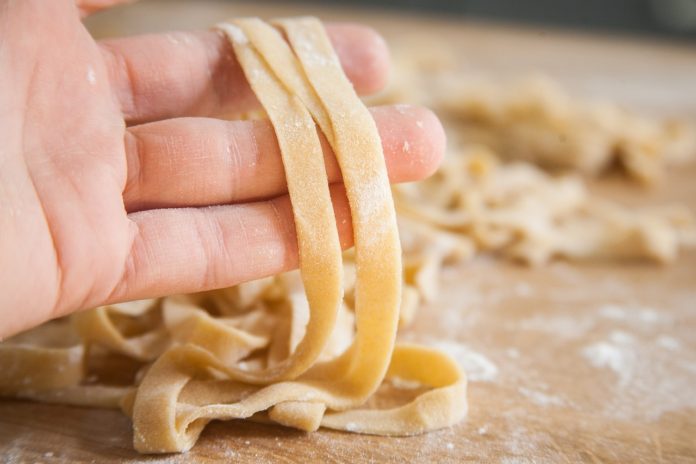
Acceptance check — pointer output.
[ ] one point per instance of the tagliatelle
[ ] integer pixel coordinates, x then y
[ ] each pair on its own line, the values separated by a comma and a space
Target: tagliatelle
259, 347
519, 211
534, 119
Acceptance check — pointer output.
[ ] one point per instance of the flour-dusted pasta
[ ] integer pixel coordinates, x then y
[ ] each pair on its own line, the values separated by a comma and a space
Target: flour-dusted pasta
519, 211
535, 120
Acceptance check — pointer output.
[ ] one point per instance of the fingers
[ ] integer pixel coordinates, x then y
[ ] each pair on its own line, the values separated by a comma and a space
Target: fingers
200, 161
183, 250
162, 76
195, 249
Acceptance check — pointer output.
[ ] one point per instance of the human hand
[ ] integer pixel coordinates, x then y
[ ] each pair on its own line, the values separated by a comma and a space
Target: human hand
114, 185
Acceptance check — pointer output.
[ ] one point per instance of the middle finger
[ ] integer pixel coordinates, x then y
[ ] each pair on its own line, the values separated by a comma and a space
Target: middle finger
199, 161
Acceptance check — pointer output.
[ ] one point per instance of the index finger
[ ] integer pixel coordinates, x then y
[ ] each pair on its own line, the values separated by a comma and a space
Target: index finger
161, 76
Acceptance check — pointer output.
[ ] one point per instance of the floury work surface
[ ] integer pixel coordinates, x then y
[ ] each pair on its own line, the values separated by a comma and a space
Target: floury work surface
579, 362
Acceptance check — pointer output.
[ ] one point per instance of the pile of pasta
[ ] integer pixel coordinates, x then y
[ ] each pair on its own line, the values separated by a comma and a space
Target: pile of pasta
475, 204
304, 350
169, 364
514, 182
534, 119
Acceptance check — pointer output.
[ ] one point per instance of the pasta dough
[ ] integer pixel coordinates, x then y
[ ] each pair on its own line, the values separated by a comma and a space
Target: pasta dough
260, 348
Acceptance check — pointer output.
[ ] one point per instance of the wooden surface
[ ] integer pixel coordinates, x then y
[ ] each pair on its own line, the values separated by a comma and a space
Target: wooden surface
592, 362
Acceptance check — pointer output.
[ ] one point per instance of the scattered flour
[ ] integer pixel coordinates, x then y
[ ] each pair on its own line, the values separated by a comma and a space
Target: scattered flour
172, 39
611, 355
620, 337
234, 32
637, 314
668, 343
405, 384
91, 75
478, 368
521, 442
351, 426
402, 108
649, 381
540, 398
560, 326
611, 311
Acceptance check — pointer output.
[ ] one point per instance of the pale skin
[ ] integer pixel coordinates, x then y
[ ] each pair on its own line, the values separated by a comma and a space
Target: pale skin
117, 180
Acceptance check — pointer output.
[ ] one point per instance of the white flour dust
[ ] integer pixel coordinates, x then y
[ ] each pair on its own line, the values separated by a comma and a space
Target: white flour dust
540, 398
91, 75
609, 355
560, 326
651, 377
478, 368
633, 314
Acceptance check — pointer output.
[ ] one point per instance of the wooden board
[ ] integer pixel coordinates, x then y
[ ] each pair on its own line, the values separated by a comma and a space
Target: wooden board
591, 362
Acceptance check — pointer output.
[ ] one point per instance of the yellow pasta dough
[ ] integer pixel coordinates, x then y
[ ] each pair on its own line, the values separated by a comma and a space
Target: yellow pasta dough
520, 211
261, 348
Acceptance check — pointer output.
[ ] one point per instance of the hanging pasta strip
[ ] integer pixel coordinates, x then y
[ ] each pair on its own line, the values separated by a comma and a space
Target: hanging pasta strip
359, 153
317, 236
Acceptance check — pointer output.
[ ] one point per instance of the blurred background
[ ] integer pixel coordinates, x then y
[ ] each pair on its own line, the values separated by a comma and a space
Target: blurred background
639, 53
672, 18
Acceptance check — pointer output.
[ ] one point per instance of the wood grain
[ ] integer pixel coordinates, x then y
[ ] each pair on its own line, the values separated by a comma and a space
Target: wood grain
590, 362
